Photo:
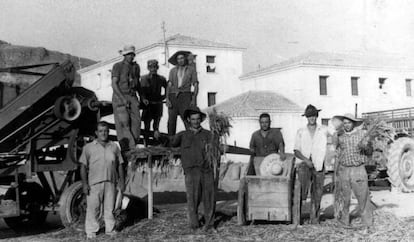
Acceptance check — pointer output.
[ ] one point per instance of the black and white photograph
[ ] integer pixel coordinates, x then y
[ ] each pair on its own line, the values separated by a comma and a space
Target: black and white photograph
196, 120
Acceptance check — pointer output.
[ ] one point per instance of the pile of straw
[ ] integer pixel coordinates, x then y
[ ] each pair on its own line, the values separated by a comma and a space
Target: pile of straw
220, 129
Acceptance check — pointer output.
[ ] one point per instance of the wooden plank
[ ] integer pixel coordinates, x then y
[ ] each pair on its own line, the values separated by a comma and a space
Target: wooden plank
268, 185
270, 214
269, 200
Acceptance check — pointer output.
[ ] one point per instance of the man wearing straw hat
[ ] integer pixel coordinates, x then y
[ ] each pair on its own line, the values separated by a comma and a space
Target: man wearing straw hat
199, 175
351, 174
152, 85
125, 85
310, 150
179, 96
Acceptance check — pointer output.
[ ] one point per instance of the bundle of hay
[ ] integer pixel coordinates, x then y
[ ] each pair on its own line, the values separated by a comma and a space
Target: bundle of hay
220, 129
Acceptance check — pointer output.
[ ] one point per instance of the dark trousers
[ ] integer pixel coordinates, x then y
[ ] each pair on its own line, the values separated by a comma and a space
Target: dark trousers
200, 186
354, 179
178, 105
309, 177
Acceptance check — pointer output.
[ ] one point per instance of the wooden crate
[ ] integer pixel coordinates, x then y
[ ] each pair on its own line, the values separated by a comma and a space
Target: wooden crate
270, 198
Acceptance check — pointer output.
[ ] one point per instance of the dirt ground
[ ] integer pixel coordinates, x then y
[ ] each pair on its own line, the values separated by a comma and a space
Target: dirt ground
170, 224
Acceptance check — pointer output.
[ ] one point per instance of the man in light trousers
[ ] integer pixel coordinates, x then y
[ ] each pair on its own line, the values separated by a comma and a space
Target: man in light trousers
101, 171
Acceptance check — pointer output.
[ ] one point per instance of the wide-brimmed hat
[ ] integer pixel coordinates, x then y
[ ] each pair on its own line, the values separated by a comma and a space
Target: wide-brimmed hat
127, 50
173, 58
311, 111
351, 117
194, 110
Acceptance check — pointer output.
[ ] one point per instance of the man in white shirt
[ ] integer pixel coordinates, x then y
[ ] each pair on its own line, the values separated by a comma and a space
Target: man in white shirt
310, 151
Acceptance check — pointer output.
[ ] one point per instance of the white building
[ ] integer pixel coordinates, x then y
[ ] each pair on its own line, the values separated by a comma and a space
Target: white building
245, 109
219, 67
338, 83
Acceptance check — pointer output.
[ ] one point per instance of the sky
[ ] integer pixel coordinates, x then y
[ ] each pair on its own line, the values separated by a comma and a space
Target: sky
270, 30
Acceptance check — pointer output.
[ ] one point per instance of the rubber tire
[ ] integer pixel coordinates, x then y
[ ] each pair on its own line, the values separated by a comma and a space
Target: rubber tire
66, 213
31, 194
396, 151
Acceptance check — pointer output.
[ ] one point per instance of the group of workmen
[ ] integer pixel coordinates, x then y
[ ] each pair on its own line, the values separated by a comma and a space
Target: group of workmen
310, 149
102, 169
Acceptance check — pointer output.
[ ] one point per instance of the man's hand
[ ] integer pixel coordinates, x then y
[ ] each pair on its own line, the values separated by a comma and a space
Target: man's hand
156, 134
308, 163
282, 156
86, 189
125, 102
168, 103
145, 101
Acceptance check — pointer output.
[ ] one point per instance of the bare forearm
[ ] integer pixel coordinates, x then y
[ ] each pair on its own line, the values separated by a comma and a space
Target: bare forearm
84, 174
121, 174
195, 91
116, 89
299, 155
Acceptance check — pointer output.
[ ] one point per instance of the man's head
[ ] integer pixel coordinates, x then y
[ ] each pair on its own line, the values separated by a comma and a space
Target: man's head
264, 121
129, 53
348, 124
102, 131
194, 120
311, 113
129, 57
181, 60
194, 116
153, 66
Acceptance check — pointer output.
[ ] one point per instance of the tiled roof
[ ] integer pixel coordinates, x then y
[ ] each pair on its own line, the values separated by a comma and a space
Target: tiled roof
253, 103
354, 59
183, 40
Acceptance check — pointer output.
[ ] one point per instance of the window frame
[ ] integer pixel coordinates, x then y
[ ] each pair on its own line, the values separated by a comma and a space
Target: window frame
214, 96
354, 86
325, 79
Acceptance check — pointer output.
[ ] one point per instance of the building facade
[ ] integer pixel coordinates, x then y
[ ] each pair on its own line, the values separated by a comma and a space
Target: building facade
339, 83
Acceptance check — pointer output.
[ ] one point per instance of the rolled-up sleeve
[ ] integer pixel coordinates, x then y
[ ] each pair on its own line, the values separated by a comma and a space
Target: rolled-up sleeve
116, 70
83, 158
298, 139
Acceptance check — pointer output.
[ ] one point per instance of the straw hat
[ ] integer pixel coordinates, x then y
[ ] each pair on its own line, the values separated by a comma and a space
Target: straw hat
271, 165
351, 117
127, 50
311, 111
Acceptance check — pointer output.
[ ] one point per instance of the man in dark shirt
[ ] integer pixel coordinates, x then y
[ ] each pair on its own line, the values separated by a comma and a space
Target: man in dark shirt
152, 84
266, 140
125, 85
199, 177
179, 96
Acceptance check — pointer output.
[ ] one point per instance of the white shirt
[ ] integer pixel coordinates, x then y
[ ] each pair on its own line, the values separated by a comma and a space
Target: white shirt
312, 147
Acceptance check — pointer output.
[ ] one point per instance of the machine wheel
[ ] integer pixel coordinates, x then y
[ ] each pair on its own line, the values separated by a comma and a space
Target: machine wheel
73, 205
33, 199
241, 204
296, 209
400, 165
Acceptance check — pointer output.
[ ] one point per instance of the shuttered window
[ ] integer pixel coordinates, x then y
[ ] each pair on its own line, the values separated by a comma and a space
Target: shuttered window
408, 87
354, 86
211, 98
323, 91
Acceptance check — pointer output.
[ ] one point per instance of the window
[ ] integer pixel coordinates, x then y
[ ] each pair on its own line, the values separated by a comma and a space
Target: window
323, 91
354, 86
211, 98
408, 87
325, 121
381, 81
211, 63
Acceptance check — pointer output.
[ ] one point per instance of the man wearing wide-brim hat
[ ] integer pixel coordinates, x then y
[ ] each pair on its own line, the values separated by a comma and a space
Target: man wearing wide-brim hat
351, 175
199, 177
125, 85
179, 96
310, 150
